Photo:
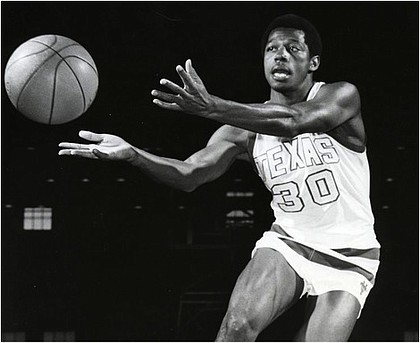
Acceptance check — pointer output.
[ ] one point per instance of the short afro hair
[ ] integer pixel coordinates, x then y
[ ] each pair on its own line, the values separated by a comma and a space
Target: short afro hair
312, 37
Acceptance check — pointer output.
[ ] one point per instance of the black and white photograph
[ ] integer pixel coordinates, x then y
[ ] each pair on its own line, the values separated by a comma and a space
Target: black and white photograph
187, 171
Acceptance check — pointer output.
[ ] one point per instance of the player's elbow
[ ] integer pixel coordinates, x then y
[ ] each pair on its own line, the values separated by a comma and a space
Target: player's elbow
199, 174
291, 131
190, 180
290, 128
184, 185
188, 187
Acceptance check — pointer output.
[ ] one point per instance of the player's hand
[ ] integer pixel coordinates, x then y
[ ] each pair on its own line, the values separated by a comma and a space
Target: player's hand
193, 98
102, 146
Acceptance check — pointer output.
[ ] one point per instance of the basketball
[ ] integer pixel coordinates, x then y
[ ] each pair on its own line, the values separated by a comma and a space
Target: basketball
51, 79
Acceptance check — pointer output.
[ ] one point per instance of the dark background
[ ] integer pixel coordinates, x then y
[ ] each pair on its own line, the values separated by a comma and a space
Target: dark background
122, 254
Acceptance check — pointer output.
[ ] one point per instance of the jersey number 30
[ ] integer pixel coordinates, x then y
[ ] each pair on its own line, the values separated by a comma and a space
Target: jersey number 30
321, 186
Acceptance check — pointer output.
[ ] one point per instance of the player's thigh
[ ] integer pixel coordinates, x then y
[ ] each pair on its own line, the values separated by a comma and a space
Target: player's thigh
330, 317
265, 289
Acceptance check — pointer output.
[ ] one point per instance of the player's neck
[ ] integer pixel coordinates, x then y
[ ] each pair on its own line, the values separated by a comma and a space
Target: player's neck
292, 96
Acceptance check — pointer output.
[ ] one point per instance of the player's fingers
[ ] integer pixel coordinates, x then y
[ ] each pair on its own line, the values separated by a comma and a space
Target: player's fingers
191, 70
74, 146
165, 96
166, 105
91, 136
186, 78
65, 152
173, 87
81, 153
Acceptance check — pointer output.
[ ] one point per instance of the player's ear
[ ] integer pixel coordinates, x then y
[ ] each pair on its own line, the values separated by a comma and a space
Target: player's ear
314, 63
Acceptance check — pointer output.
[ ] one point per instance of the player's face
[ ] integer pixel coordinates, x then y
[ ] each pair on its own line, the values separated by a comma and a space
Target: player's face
287, 61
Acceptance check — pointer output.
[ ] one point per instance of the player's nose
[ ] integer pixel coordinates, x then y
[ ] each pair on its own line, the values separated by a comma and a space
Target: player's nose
281, 54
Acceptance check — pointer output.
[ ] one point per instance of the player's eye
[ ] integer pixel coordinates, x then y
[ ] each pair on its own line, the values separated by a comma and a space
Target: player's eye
294, 48
270, 48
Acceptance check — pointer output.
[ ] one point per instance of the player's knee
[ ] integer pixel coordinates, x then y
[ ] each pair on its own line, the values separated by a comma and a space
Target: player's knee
240, 324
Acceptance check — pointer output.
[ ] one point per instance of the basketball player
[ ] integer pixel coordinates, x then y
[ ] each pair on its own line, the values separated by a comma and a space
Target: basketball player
308, 145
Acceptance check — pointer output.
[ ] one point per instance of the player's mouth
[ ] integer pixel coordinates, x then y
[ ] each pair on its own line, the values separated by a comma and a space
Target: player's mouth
280, 73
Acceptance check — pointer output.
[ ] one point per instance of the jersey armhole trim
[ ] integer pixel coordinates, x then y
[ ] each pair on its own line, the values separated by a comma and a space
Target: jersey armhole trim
356, 149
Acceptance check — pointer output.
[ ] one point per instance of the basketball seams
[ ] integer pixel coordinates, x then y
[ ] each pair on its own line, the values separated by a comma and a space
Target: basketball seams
26, 56
84, 60
53, 93
80, 58
30, 78
69, 46
32, 54
63, 59
52, 44
78, 81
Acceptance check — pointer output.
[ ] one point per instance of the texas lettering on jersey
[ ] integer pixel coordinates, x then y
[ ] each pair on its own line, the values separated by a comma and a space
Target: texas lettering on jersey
301, 152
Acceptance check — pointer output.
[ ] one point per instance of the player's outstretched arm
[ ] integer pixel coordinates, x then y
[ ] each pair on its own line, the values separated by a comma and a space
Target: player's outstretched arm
202, 167
335, 104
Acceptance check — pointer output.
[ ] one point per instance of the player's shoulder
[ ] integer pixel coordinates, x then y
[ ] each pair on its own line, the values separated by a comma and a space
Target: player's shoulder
342, 89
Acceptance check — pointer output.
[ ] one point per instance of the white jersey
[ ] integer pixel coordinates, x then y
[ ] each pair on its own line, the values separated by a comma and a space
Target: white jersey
320, 188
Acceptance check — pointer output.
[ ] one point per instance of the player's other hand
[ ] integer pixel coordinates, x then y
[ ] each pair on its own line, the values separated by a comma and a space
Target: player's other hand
193, 98
102, 146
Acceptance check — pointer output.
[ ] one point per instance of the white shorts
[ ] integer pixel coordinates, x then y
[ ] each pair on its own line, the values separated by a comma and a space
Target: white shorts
327, 270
